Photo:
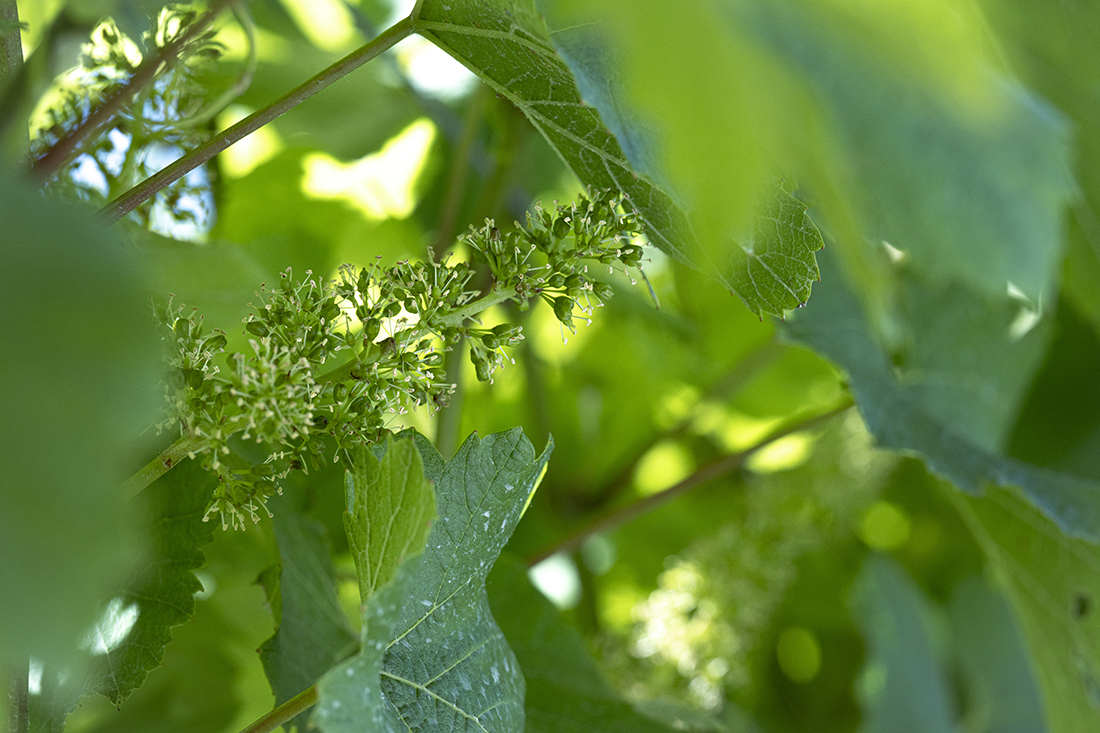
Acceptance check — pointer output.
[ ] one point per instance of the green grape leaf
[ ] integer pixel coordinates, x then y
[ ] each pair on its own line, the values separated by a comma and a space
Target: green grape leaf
80, 368
161, 594
508, 45
902, 687
565, 690
129, 639
826, 94
433, 657
951, 401
386, 526
312, 632
1053, 582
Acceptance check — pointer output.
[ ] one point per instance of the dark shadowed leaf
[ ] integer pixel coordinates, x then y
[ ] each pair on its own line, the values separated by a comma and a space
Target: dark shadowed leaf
903, 687
951, 409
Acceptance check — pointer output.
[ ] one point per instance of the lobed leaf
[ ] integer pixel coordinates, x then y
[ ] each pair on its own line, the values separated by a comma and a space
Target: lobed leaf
508, 45
433, 657
129, 639
162, 593
954, 407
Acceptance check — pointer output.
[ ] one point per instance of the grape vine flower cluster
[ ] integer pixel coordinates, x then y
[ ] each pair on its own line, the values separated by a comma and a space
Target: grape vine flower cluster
386, 329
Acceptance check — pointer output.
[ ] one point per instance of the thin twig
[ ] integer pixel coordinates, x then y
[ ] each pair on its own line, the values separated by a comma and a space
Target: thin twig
456, 180
154, 469
288, 710
140, 193
724, 387
64, 148
622, 515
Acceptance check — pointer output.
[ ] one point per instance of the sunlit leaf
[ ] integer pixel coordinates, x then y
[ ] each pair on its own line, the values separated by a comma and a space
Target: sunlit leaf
509, 46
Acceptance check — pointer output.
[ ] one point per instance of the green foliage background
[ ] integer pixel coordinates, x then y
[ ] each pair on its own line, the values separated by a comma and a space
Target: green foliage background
924, 560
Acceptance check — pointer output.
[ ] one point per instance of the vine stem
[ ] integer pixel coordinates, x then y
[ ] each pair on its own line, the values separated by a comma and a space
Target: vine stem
140, 193
495, 296
624, 514
154, 469
294, 706
63, 149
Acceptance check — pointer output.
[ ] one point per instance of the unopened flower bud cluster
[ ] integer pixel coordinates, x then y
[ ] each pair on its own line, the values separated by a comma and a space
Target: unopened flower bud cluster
286, 396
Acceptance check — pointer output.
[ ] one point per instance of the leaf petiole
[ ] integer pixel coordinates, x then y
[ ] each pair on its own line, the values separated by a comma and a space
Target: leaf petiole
287, 711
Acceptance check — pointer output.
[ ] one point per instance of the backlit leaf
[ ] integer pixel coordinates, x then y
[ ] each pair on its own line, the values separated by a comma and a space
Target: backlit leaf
508, 45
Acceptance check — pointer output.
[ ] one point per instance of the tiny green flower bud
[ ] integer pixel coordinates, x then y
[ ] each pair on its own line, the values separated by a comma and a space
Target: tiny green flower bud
257, 328
561, 227
603, 291
563, 309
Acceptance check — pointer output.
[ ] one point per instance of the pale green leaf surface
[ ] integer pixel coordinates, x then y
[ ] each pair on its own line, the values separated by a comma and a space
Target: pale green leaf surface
902, 688
312, 632
78, 384
1054, 583
391, 506
444, 663
933, 411
507, 44
823, 92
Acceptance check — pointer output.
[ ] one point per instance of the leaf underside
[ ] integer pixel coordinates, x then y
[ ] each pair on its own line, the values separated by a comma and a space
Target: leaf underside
508, 45
911, 411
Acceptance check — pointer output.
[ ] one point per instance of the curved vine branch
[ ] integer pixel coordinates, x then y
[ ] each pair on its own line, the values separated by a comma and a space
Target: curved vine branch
64, 148
140, 193
622, 515
287, 711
